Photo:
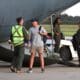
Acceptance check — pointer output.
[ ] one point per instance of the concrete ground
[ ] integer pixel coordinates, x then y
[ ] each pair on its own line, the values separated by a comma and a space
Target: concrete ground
53, 72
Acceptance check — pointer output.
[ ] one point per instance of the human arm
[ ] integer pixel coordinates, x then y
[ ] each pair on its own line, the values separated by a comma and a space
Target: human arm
43, 32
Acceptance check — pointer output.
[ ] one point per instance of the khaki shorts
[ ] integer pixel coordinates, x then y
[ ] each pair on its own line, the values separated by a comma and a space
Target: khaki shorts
37, 49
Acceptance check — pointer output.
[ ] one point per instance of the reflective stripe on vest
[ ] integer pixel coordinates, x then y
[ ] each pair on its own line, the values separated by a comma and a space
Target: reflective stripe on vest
17, 33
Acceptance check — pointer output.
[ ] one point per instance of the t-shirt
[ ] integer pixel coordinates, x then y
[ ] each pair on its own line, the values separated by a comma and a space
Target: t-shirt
35, 37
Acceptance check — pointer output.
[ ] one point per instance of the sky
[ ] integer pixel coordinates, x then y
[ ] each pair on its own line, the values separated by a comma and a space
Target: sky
73, 11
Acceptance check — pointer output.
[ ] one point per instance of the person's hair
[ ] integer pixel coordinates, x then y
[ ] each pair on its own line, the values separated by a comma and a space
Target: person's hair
56, 21
19, 19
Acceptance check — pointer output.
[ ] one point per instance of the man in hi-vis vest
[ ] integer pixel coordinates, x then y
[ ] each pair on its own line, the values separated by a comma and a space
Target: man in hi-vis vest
18, 36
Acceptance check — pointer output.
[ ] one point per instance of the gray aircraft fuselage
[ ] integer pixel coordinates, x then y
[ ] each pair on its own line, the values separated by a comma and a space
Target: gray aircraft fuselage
11, 9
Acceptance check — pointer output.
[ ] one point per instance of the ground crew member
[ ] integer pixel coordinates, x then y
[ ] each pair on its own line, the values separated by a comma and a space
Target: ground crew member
37, 44
18, 35
76, 42
57, 33
78, 50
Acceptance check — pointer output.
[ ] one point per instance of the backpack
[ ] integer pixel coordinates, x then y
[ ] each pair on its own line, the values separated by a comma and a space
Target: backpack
44, 38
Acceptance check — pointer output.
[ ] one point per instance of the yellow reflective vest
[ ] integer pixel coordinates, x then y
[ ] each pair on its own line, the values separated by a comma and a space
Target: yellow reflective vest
17, 35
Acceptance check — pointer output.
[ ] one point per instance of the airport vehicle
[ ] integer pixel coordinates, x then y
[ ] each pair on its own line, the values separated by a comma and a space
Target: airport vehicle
66, 52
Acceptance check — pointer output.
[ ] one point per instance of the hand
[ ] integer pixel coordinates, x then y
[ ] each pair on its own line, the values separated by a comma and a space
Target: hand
9, 41
29, 45
26, 44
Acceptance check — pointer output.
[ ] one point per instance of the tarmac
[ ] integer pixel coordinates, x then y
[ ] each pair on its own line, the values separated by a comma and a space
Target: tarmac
52, 72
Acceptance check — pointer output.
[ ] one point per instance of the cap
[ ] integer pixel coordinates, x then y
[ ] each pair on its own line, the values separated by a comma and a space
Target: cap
34, 19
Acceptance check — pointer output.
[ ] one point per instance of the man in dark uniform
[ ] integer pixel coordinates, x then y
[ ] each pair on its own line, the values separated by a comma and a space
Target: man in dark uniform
76, 42
79, 44
18, 35
57, 33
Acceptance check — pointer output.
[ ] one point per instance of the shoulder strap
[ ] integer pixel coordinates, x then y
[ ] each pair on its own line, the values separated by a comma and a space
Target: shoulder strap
40, 28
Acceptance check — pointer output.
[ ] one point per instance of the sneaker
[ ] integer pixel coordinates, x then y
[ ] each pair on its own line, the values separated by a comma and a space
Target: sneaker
12, 69
29, 71
42, 70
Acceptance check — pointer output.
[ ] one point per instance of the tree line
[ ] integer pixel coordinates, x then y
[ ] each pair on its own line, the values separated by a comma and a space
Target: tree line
66, 19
